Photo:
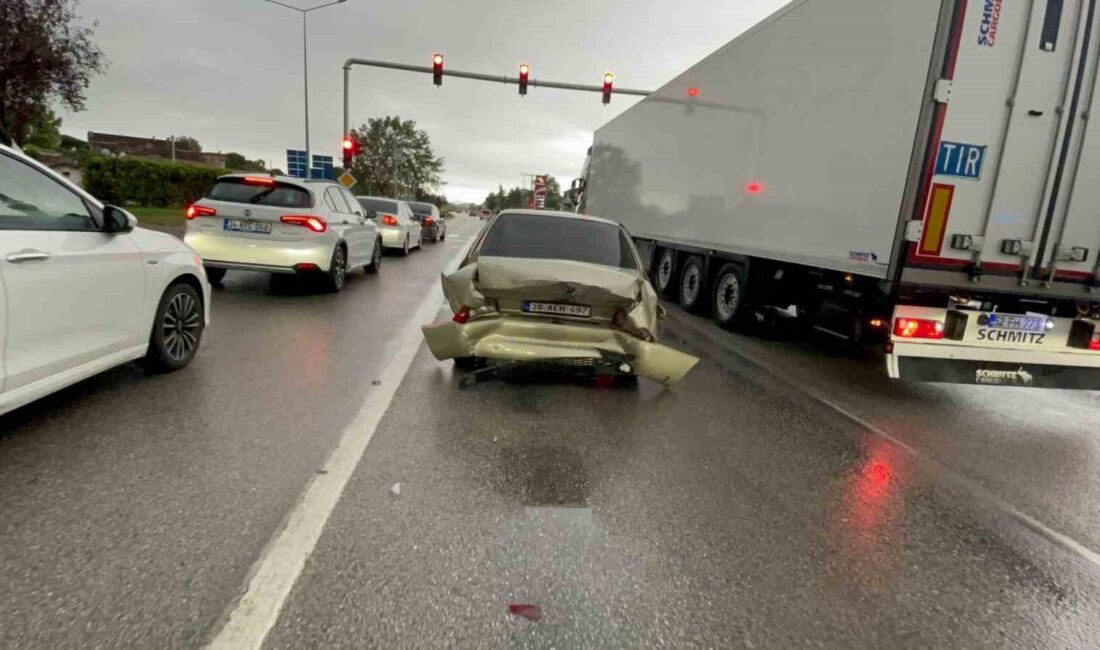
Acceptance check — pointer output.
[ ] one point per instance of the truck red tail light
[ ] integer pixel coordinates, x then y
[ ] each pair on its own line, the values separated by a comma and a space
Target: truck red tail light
918, 328
389, 220
200, 211
1084, 335
313, 222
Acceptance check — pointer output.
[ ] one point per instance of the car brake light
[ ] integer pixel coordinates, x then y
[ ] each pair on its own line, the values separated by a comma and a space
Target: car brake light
258, 180
200, 211
1094, 344
314, 223
389, 220
428, 221
918, 328
462, 316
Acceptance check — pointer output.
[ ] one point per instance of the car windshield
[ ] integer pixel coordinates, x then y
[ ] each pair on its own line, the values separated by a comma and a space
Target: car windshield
558, 238
378, 205
240, 190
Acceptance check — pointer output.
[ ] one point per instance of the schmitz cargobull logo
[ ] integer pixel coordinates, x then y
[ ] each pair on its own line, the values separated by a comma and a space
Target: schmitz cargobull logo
991, 19
1019, 377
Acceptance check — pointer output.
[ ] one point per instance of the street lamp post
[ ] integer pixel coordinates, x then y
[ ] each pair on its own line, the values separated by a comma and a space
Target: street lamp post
305, 68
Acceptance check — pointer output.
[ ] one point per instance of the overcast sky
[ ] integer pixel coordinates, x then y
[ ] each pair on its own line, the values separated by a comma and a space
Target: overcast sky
229, 73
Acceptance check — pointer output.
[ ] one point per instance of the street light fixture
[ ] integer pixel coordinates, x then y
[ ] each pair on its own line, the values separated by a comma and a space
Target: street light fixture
305, 67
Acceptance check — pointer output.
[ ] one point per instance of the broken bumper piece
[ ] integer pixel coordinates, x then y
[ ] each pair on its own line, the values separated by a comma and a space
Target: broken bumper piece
526, 339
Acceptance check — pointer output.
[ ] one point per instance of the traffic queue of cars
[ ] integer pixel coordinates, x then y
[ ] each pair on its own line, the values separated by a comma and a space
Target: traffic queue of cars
83, 289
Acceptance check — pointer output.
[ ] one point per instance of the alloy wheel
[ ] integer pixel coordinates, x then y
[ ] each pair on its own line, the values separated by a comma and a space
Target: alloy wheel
181, 324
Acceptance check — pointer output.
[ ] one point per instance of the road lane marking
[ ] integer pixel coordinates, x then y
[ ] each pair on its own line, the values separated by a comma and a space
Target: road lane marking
961, 480
275, 572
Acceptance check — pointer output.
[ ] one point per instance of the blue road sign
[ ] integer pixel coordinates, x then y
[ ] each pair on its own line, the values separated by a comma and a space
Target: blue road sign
323, 167
296, 163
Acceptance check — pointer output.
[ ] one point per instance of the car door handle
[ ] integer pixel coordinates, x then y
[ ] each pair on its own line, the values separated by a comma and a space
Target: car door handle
27, 256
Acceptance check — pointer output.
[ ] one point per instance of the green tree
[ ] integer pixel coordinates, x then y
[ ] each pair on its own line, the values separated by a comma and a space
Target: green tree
44, 131
46, 55
553, 193
189, 143
395, 158
238, 162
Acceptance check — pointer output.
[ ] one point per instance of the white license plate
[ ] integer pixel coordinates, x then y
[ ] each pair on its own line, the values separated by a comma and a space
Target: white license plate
557, 309
244, 225
1013, 322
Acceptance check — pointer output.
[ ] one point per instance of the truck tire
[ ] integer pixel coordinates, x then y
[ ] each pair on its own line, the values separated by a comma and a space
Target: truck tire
664, 273
693, 285
728, 297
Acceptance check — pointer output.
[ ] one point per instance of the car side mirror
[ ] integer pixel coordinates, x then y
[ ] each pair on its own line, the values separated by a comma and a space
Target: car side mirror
117, 221
372, 214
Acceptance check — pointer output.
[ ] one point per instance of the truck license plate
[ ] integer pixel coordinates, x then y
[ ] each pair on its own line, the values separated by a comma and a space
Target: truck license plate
1013, 322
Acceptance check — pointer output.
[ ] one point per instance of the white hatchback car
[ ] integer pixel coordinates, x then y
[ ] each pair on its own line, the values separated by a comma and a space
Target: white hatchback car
399, 227
83, 290
278, 224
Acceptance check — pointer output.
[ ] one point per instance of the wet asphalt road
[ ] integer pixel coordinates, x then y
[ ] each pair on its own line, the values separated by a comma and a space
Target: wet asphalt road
783, 495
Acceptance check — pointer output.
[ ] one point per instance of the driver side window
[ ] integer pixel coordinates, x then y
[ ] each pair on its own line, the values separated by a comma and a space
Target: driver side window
31, 200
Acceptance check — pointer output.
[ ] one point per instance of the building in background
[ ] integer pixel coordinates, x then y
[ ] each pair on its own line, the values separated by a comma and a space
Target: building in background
111, 144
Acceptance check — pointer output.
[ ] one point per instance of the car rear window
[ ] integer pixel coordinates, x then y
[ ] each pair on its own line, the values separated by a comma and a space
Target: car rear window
421, 208
378, 205
558, 238
239, 190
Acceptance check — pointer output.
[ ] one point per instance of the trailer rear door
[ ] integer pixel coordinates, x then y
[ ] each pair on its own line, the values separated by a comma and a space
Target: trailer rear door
1012, 185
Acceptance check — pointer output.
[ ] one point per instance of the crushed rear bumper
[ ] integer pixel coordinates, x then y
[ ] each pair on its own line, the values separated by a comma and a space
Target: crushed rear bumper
517, 338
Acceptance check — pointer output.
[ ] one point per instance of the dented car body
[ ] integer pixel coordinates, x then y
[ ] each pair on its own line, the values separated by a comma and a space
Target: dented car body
542, 286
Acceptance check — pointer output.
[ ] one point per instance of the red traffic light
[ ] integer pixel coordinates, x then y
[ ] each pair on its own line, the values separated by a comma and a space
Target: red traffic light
350, 145
608, 80
437, 69
524, 73
693, 91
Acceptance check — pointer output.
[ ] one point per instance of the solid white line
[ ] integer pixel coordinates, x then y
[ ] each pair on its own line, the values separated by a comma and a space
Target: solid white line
961, 480
275, 572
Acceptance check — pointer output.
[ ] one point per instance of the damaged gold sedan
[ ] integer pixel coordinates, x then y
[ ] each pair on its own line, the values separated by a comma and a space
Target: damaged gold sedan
555, 288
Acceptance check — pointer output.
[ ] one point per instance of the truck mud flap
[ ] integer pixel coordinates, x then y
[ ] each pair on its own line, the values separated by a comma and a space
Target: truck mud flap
988, 373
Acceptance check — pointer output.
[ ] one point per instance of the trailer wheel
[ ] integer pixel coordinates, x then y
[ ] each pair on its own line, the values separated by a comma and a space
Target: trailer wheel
664, 272
693, 285
729, 297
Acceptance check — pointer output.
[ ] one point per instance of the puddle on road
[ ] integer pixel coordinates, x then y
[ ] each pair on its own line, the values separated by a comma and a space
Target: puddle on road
543, 476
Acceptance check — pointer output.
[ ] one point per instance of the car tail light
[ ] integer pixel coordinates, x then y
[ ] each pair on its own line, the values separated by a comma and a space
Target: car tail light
428, 221
313, 222
918, 328
306, 267
258, 180
462, 316
200, 211
389, 220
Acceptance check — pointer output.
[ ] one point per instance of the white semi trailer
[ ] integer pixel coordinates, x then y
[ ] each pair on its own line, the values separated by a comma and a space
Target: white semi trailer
923, 171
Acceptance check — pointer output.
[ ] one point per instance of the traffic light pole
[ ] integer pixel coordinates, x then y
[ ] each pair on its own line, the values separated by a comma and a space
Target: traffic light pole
476, 76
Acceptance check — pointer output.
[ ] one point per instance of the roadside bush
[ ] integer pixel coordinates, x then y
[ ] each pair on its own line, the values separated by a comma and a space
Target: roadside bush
129, 181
